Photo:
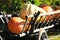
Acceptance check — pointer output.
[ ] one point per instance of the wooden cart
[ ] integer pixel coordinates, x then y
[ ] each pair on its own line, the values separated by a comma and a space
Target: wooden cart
38, 30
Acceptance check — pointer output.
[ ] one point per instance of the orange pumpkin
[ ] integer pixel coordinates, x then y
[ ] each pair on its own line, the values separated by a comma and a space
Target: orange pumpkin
15, 25
47, 18
56, 8
57, 15
48, 9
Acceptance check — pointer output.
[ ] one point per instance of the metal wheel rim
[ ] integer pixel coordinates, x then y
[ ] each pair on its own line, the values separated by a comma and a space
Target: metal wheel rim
44, 37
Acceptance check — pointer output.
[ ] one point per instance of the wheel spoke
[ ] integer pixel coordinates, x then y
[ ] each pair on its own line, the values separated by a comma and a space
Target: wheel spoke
44, 37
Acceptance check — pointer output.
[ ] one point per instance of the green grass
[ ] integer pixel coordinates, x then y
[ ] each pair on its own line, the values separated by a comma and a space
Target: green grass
52, 35
58, 38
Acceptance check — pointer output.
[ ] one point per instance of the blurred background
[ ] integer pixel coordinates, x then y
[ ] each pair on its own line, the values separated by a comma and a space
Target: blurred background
14, 6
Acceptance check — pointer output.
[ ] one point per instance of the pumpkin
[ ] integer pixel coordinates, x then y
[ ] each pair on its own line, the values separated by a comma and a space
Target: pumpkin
57, 15
15, 25
56, 8
48, 9
30, 9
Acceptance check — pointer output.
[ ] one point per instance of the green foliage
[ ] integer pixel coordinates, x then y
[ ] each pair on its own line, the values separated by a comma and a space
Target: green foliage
12, 6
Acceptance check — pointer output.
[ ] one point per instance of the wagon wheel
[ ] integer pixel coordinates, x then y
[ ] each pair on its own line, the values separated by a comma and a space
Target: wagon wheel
1, 38
43, 36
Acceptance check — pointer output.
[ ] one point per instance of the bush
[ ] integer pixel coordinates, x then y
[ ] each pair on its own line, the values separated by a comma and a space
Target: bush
14, 6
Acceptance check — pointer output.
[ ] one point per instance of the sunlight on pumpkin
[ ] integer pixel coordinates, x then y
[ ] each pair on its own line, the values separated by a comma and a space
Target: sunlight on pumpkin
15, 25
